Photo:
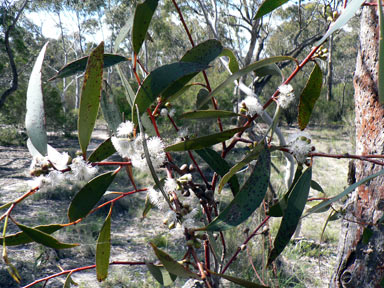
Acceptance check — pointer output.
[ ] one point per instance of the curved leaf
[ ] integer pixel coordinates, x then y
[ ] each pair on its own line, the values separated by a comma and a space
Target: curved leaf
35, 117
102, 152
347, 14
242, 72
208, 114
381, 54
90, 97
89, 195
20, 238
233, 65
159, 80
110, 109
271, 69
316, 186
143, 16
172, 265
249, 197
123, 32
44, 238
241, 282
342, 194
292, 214
268, 6
204, 53
220, 166
309, 96
204, 141
103, 249
201, 95
79, 65
161, 274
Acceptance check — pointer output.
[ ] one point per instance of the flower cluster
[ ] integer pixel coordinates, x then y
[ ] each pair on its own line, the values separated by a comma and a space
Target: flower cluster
251, 105
132, 148
300, 146
286, 96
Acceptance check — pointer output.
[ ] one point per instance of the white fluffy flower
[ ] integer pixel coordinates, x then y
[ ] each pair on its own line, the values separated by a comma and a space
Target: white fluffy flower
156, 151
81, 170
38, 182
183, 132
164, 112
154, 197
185, 178
252, 105
123, 146
171, 217
170, 185
172, 112
56, 178
125, 129
300, 146
286, 96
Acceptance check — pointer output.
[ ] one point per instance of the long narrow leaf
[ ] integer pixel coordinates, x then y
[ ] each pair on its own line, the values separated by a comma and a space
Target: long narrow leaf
143, 16
249, 197
268, 6
292, 214
342, 194
35, 116
347, 14
242, 72
241, 282
103, 249
90, 97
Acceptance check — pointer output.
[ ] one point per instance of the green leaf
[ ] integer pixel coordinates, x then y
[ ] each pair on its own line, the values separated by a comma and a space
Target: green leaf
143, 16
89, 195
159, 80
44, 238
233, 65
344, 193
208, 114
103, 249
309, 96
381, 54
161, 274
123, 32
220, 166
110, 109
252, 67
203, 54
147, 207
102, 152
172, 265
367, 234
347, 14
90, 97
79, 65
20, 238
249, 197
277, 210
35, 117
268, 6
271, 69
292, 214
316, 186
241, 282
204, 141
201, 95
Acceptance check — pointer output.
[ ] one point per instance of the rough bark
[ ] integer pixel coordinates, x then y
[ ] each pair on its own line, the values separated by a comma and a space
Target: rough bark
361, 263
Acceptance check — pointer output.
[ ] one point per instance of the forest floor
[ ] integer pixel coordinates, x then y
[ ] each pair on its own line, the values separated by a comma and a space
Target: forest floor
307, 262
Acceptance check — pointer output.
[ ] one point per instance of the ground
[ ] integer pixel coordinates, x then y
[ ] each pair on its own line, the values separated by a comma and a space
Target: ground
307, 262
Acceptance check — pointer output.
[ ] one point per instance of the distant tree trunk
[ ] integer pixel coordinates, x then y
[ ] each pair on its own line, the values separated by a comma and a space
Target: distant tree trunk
330, 69
361, 263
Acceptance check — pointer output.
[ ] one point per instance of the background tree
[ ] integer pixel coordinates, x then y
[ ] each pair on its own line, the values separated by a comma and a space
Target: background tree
361, 257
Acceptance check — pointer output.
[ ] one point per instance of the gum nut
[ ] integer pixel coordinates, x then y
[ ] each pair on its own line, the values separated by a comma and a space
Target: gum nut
165, 221
171, 226
243, 247
184, 167
168, 105
197, 244
191, 168
190, 243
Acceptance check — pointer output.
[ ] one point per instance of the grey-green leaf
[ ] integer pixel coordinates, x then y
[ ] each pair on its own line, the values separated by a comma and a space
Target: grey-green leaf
110, 108
249, 197
161, 274
268, 6
208, 114
220, 166
89, 195
347, 14
292, 214
252, 67
103, 249
143, 16
204, 141
35, 116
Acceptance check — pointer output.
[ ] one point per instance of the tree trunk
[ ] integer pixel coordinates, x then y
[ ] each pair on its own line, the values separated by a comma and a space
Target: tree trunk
361, 263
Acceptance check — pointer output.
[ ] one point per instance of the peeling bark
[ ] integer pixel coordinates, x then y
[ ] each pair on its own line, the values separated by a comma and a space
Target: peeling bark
361, 263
